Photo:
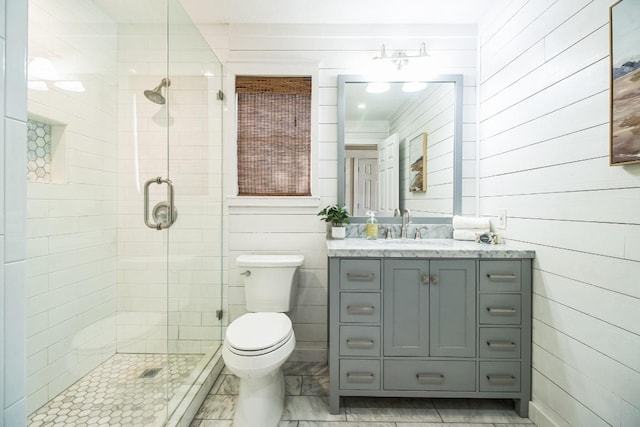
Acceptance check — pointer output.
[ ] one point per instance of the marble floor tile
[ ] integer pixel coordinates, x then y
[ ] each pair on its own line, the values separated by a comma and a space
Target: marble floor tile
346, 424
309, 408
315, 385
478, 410
391, 409
444, 425
305, 368
230, 385
292, 385
217, 407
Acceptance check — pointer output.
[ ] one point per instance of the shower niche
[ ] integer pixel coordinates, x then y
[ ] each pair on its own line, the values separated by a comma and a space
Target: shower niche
46, 151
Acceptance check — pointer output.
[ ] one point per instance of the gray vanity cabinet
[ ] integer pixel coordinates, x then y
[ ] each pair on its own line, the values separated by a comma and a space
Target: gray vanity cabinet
429, 308
430, 327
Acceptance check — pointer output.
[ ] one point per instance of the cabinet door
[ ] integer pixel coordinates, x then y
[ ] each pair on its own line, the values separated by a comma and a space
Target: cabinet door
452, 308
406, 308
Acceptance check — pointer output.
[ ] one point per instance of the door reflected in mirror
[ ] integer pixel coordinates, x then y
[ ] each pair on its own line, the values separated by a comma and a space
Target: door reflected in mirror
399, 146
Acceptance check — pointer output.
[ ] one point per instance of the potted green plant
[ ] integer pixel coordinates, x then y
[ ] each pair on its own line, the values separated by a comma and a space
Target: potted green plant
338, 216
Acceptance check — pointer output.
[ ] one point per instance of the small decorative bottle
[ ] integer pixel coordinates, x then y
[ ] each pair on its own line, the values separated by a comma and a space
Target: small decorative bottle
372, 226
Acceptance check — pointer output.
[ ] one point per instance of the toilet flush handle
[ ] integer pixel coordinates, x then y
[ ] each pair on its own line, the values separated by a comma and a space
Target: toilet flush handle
246, 273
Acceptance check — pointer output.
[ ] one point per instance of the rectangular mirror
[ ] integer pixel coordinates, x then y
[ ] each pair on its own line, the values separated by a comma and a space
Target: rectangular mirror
400, 146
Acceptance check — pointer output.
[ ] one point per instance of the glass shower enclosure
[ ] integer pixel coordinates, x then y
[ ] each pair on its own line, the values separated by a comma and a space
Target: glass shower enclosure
124, 205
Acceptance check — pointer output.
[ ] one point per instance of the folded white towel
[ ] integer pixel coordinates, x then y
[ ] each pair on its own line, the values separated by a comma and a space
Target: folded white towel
471, 222
468, 233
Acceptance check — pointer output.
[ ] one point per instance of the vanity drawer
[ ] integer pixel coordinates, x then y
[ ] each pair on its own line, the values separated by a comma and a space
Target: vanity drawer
359, 307
359, 340
500, 343
500, 276
429, 375
499, 376
360, 374
500, 309
360, 274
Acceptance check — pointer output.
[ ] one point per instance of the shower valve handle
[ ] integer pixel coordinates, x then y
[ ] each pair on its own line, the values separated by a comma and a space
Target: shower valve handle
171, 217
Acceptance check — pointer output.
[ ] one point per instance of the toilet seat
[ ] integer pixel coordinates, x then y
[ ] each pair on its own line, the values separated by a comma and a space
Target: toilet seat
254, 334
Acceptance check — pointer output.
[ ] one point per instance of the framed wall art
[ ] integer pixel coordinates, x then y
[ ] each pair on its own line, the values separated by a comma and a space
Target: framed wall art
418, 163
624, 19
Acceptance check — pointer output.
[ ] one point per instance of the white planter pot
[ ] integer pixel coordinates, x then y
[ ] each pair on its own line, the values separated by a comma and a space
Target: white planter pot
338, 232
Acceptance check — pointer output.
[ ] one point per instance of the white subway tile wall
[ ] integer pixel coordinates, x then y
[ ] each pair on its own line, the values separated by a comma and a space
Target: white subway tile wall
98, 279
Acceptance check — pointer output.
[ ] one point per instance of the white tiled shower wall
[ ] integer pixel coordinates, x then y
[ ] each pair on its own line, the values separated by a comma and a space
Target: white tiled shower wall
13, 131
97, 276
194, 242
71, 274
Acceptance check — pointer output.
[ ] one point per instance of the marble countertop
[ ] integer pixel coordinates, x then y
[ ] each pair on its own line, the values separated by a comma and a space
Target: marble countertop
426, 248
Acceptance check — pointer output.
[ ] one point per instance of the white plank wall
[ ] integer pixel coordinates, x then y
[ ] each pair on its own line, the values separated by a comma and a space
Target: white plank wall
544, 108
332, 50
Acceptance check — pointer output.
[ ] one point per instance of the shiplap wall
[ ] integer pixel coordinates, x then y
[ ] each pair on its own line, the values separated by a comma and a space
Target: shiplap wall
433, 113
544, 157
331, 50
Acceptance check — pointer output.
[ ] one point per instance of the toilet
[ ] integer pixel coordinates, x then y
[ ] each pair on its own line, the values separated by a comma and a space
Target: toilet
258, 343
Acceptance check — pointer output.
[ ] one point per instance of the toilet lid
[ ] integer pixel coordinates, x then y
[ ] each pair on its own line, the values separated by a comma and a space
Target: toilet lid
258, 331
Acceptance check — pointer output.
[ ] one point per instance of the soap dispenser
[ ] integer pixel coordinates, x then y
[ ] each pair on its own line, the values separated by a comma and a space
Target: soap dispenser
372, 226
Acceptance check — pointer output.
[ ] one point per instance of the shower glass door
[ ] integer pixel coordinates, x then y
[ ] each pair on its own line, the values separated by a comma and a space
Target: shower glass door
122, 317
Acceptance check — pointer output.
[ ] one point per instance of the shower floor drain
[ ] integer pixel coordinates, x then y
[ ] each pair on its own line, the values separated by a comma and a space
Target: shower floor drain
150, 373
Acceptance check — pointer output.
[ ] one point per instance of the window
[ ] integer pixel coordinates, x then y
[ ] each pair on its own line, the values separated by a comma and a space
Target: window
274, 136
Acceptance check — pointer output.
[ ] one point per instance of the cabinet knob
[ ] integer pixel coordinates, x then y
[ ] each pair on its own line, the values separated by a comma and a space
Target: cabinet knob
426, 279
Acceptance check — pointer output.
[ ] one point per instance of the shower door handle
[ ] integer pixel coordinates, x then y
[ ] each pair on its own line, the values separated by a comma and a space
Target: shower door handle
170, 208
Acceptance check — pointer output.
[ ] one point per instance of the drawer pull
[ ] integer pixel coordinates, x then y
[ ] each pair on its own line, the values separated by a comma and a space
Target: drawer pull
501, 311
501, 379
360, 377
501, 345
361, 277
360, 343
429, 378
501, 277
360, 309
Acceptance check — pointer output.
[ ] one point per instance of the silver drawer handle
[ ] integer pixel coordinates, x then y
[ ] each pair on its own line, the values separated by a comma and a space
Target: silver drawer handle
501, 277
501, 344
360, 377
364, 277
360, 309
497, 310
360, 343
430, 378
501, 379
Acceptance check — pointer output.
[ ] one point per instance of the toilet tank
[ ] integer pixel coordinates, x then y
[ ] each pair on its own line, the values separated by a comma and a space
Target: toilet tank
270, 281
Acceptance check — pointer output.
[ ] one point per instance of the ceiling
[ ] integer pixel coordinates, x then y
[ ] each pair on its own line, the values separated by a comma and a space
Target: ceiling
338, 11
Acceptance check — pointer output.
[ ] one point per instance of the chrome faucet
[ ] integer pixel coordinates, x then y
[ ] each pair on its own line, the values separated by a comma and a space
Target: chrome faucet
406, 220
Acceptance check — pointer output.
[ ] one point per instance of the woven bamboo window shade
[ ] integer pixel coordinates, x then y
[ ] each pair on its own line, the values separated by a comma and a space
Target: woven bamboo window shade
274, 136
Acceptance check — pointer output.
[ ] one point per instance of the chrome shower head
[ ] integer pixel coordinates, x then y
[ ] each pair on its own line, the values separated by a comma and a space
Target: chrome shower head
155, 95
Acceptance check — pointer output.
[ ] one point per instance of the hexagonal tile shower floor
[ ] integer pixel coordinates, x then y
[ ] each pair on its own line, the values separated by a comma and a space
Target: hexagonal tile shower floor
126, 390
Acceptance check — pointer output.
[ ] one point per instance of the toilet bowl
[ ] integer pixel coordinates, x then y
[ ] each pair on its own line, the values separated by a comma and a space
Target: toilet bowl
258, 343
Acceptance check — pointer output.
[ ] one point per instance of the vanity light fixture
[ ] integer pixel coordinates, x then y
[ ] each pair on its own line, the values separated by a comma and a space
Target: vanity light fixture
400, 58
378, 87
